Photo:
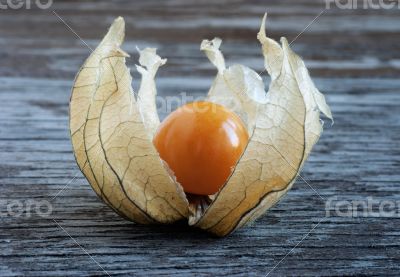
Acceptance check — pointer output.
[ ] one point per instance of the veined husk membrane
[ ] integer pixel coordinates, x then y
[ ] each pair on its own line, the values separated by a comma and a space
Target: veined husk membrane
112, 131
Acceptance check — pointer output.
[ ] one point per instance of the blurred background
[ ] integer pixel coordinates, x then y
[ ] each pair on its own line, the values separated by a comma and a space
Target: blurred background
352, 51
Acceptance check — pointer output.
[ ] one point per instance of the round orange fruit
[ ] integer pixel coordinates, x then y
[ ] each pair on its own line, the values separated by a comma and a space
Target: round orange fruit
201, 142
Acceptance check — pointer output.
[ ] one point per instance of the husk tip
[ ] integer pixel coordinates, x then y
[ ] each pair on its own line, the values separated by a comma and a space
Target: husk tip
261, 33
119, 20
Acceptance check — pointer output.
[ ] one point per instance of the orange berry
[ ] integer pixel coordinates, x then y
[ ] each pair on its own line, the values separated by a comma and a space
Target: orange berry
201, 142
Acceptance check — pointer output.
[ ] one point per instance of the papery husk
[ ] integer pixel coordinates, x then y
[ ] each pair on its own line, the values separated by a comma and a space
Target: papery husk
111, 143
284, 127
112, 134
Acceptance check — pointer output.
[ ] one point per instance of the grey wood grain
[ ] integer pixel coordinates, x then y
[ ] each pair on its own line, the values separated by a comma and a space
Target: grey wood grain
354, 57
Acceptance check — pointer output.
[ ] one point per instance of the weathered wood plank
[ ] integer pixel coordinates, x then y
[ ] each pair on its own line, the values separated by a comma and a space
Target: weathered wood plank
354, 57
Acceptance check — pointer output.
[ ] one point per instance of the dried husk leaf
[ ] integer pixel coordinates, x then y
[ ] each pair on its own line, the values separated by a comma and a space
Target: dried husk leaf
111, 143
112, 134
238, 87
149, 64
284, 127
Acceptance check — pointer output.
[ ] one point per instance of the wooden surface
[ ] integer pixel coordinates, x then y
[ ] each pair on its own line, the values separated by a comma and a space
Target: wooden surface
355, 60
